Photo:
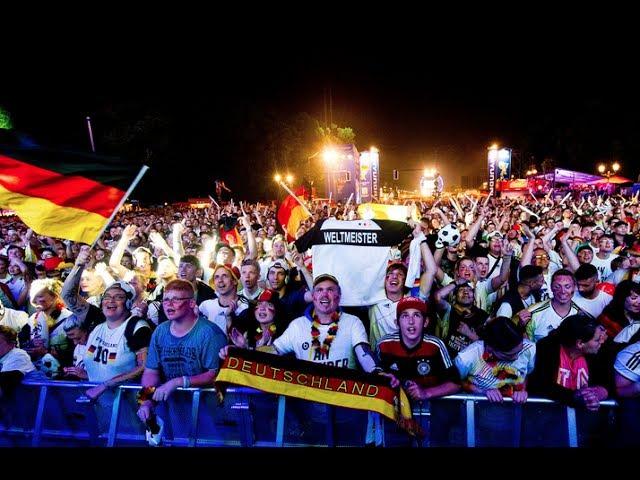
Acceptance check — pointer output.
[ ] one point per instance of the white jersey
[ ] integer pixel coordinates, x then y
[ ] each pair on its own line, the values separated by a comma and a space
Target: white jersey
627, 362
624, 336
474, 368
40, 321
108, 354
382, 320
593, 306
297, 339
216, 313
544, 319
78, 355
484, 296
356, 252
16, 359
16, 285
251, 296
14, 319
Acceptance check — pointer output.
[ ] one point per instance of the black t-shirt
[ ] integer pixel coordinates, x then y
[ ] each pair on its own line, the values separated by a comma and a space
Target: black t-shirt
456, 341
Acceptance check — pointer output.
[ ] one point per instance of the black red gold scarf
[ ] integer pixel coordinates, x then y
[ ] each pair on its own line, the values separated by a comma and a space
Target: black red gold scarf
340, 387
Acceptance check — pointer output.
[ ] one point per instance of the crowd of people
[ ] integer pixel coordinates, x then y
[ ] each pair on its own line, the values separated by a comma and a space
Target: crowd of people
498, 297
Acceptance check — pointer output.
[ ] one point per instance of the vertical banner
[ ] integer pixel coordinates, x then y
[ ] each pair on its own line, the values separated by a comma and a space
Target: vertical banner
499, 167
365, 177
375, 173
504, 164
493, 157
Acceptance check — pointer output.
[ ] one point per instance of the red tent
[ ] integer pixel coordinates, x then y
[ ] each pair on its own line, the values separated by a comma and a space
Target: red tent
615, 179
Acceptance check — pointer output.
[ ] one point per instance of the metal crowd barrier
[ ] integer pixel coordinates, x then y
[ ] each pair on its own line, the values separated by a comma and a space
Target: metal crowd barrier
47, 413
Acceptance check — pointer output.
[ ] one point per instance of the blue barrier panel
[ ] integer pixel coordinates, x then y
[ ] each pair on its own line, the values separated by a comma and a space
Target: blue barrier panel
47, 413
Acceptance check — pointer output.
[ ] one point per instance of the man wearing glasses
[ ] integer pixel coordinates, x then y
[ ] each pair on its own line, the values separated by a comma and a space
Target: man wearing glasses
183, 351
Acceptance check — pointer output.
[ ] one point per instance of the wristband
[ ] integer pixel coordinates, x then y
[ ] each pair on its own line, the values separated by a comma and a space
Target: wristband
186, 381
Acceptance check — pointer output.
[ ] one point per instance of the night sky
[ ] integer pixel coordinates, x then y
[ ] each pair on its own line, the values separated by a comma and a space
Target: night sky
420, 107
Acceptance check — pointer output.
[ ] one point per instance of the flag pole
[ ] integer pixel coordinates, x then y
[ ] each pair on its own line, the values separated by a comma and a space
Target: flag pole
93, 146
281, 183
141, 173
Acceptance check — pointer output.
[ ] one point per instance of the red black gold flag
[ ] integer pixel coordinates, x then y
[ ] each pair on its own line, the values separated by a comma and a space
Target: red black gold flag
64, 194
291, 213
341, 387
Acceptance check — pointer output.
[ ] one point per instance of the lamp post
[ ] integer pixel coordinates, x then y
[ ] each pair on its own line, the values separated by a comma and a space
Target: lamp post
608, 170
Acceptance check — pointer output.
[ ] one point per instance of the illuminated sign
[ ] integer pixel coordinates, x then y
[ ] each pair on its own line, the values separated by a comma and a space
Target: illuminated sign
499, 167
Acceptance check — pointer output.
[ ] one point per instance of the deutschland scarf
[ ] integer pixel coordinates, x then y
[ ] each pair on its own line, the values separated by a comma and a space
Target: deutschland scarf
314, 382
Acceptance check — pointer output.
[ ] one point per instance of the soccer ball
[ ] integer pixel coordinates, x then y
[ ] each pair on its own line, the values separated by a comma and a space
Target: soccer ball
448, 236
51, 367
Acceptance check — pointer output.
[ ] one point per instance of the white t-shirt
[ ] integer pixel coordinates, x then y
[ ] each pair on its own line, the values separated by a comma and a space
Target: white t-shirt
16, 359
297, 339
593, 306
216, 313
108, 354
624, 274
16, 286
14, 319
603, 266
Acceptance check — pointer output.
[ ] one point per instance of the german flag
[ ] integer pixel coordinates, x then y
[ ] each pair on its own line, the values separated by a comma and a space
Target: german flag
341, 387
64, 194
291, 213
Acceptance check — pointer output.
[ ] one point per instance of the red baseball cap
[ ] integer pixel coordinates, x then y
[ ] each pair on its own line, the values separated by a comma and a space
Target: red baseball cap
233, 271
410, 302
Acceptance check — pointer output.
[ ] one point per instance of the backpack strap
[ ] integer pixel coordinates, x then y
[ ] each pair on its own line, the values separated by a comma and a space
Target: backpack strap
132, 321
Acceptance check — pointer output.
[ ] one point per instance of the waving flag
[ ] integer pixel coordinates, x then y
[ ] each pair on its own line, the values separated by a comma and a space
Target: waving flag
64, 194
291, 213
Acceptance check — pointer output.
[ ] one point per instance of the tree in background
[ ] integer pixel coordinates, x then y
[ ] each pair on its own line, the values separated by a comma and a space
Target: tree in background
5, 120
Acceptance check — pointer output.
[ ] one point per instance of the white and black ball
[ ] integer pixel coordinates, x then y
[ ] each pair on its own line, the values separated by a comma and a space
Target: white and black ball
51, 367
448, 236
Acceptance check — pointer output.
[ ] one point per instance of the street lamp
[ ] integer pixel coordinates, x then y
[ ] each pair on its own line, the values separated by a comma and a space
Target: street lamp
330, 155
608, 170
289, 178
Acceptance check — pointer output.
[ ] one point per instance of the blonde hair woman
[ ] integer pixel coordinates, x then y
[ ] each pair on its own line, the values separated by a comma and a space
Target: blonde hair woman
44, 333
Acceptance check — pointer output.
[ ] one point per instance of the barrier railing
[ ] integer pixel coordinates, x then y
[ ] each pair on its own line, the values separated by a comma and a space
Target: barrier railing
470, 405
49, 413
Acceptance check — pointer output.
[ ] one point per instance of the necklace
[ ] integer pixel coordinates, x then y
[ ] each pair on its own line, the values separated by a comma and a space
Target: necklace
331, 334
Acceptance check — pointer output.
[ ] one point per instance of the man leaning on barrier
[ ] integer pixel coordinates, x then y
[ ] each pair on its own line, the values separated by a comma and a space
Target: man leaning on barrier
421, 361
183, 352
14, 362
498, 365
568, 368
